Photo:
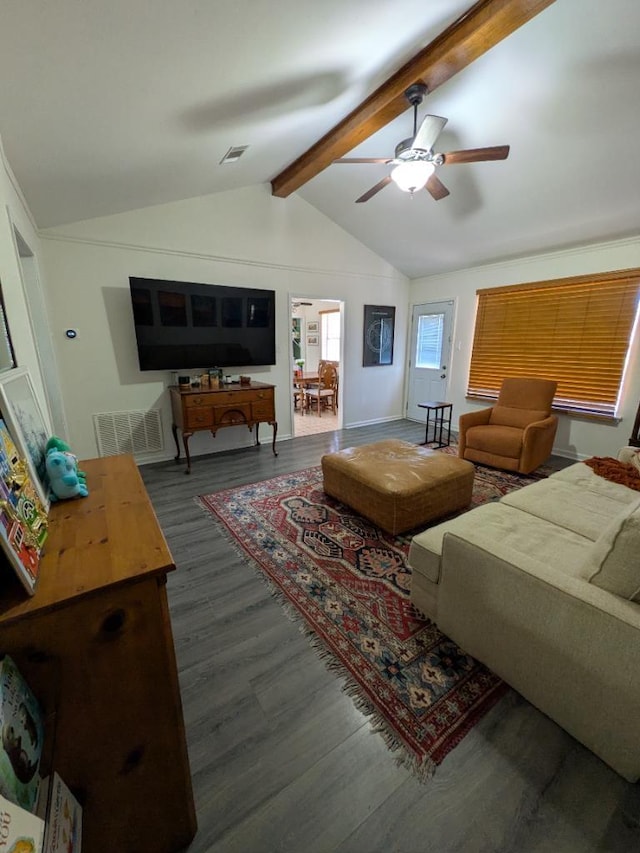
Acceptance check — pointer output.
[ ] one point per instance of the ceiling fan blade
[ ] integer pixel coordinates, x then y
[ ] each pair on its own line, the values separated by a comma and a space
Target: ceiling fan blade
475, 155
428, 132
362, 160
370, 193
437, 189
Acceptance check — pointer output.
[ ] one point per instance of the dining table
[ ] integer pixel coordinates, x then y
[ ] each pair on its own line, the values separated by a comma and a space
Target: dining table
302, 381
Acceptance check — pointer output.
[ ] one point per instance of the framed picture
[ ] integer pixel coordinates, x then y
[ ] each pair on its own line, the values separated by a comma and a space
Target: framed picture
312, 340
312, 326
23, 518
379, 322
23, 416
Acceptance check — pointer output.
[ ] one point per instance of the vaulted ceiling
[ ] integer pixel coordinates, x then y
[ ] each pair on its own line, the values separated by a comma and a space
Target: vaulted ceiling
107, 107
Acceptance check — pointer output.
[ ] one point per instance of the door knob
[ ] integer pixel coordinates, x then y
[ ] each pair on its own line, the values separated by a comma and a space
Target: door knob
443, 376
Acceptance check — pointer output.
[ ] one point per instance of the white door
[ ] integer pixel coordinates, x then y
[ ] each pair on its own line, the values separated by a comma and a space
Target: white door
430, 355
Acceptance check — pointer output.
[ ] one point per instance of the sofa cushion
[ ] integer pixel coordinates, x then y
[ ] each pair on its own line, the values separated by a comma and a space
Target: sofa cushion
614, 563
519, 418
584, 477
581, 510
522, 532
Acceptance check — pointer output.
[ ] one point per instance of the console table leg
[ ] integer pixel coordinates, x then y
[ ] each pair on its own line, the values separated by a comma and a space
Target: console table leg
174, 430
274, 424
185, 440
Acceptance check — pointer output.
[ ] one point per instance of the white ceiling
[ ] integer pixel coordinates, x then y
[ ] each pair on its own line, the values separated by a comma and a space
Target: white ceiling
112, 106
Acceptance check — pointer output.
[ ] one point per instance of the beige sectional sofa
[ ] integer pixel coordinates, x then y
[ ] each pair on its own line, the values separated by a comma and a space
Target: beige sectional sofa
543, 587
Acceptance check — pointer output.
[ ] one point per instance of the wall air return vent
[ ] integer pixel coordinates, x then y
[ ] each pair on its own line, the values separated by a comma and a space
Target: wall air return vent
128, 432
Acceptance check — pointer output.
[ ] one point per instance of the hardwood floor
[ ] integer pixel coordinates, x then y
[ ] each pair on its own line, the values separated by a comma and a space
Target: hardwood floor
283, 761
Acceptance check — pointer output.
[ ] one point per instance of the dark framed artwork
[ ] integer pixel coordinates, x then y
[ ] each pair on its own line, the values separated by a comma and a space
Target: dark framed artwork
379, 323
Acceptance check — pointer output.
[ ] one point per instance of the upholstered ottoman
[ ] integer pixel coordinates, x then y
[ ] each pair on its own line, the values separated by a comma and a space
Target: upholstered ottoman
398, 485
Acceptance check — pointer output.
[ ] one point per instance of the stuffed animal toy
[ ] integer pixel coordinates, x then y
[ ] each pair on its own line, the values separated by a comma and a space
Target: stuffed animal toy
56, 443
62, 470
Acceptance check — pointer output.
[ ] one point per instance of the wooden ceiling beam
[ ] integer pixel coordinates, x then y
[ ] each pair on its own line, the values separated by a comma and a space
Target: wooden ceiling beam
484, 25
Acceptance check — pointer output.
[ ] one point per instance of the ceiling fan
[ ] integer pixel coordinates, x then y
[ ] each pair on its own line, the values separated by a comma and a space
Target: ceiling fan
475, 32
415, 160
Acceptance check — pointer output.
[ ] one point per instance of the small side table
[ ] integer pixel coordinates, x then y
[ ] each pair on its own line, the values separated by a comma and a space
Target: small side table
441, 423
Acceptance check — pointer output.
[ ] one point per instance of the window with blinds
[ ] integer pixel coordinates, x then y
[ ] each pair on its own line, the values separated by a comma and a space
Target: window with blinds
574, 330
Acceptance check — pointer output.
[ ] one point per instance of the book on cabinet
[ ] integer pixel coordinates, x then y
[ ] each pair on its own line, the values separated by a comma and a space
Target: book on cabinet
62, 814
21, 831
22, 729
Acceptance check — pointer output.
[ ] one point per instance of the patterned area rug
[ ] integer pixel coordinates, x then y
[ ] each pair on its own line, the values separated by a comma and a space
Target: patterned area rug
350, 583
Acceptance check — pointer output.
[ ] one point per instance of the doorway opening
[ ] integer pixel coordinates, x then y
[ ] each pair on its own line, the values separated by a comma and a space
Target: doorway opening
316, 337
38, 319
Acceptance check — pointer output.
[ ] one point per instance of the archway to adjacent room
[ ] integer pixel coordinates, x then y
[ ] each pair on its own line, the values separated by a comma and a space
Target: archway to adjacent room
316, 335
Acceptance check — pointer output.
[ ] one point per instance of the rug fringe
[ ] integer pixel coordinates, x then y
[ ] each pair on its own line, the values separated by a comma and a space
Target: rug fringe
423, 770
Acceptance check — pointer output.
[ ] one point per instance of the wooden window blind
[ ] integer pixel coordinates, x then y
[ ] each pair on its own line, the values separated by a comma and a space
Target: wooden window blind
574, 330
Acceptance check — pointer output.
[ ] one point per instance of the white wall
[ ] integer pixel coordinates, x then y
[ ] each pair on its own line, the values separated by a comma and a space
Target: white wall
14, 213
576, 437
248, 237
244, 237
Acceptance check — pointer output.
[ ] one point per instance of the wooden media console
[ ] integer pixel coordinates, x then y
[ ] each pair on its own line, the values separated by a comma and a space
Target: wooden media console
212, 409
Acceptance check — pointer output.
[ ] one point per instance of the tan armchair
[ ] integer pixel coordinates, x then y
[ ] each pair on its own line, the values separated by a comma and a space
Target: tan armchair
517, 433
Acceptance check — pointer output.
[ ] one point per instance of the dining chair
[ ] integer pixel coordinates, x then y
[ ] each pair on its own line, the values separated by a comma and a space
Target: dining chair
326, 391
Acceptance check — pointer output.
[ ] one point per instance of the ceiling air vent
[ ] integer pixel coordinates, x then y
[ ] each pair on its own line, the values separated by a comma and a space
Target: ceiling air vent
234, 154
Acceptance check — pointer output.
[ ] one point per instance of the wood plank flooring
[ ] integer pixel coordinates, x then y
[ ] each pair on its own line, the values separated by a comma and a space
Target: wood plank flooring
283, 761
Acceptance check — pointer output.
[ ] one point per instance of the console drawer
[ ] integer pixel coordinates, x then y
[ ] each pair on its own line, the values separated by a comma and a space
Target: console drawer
263, 410
232, 398
192, 401
238, 413
198, 418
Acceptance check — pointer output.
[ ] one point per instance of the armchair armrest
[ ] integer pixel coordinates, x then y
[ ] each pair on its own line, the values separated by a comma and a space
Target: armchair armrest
470, 419
537, 443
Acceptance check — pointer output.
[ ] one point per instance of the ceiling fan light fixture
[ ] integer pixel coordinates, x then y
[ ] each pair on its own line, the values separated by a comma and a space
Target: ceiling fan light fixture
412, 175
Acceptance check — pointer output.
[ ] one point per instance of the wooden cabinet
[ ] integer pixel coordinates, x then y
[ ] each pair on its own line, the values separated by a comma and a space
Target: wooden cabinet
95, 645
214, 408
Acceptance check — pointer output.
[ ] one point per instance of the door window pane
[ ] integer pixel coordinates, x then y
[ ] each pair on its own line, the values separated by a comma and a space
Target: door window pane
429, 340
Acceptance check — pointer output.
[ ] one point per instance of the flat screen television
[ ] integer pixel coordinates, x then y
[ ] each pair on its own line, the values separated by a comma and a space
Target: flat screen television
182, 325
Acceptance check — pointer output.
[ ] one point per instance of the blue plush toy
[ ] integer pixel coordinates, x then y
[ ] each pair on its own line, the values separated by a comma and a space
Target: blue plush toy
56, 443
62, 470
